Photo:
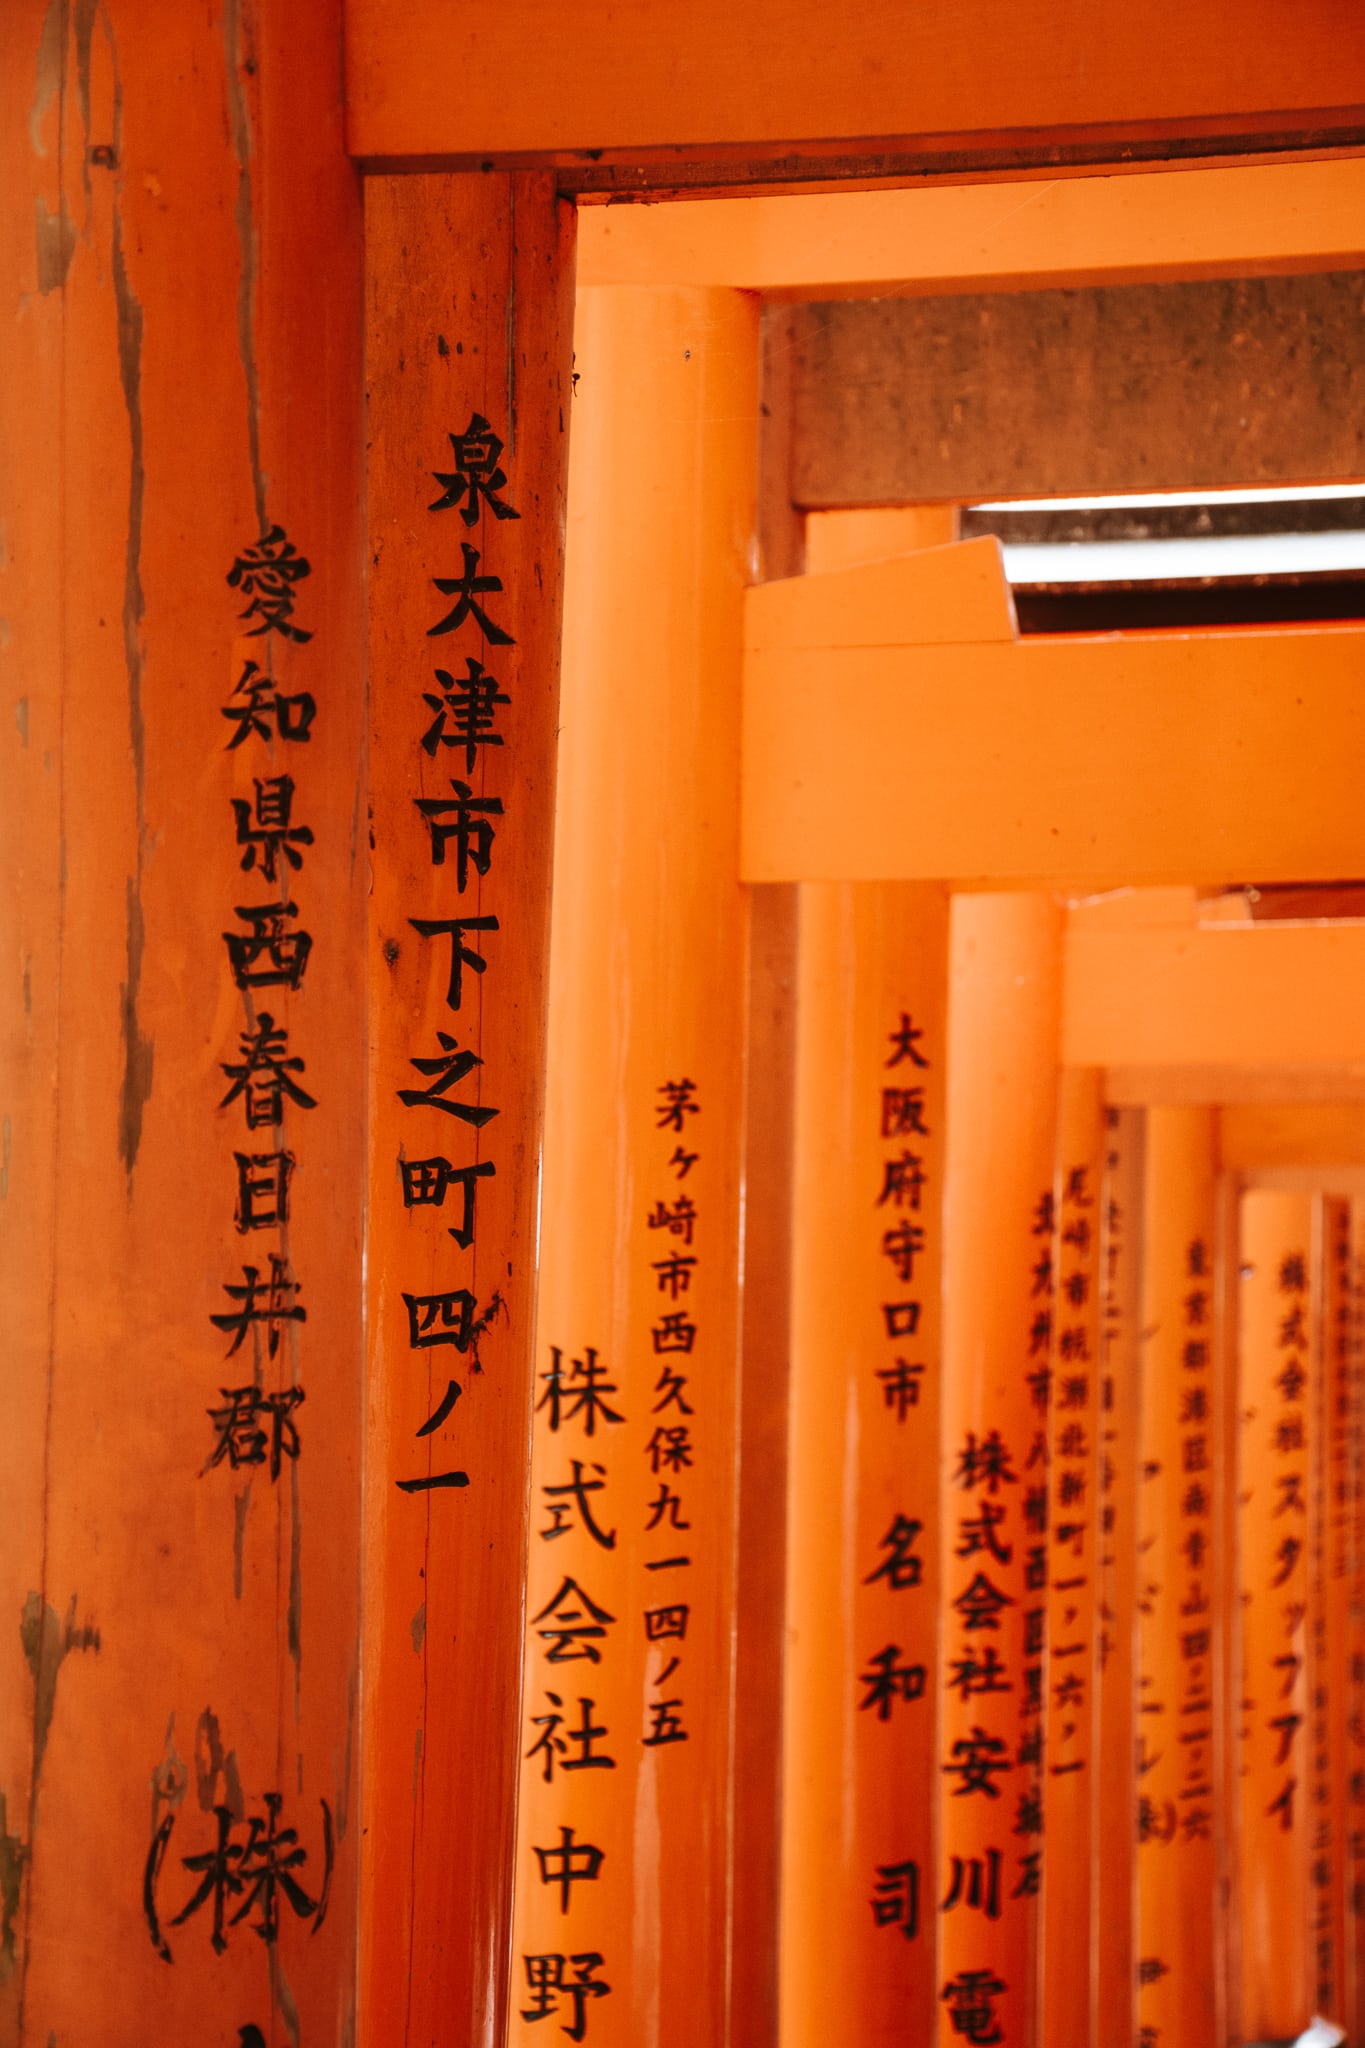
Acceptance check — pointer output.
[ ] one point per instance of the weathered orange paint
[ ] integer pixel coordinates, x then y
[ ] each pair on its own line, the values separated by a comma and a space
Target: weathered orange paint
647, 989
843, 804
424, 79
182, 362
468, 313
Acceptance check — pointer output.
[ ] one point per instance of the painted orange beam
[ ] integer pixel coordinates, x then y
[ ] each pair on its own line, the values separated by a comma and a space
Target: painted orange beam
1125, 229
1225, 995
424, 77
1236, 745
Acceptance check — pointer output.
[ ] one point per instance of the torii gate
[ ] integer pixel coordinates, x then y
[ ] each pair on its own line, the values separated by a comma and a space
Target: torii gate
290, 375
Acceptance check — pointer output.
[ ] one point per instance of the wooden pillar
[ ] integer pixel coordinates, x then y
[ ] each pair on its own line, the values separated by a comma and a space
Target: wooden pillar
1178, 1704
1353, 1708
1277, 1368
623, 1838
1335, 1963
998, 1279
859, 1874
179, 587
1113, 1862
1070, 1399
468, 315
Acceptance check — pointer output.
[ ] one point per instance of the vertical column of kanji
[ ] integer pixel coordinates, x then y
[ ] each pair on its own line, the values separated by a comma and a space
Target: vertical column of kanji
187, 1633
1002, 1093
1178, 1518
1333, 1510
1274, 1395
468, 318
1113, 1786
1074, 1397
1353, 1706
1227, 1577
620, 1932
859, 1882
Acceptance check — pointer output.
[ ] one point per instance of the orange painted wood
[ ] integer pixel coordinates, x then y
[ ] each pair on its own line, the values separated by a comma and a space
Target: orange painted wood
640, 1222
1277, 1367
828, 800
183, 340
425, 80
761, 1509
1074, 1405
1130, 229
31, 711
1002, 1063
1180, 1702
468, 307
1335, 1964
862, 1901
182, 1650
1353, 1872
1228, 1746
1232, 995
1114, 1995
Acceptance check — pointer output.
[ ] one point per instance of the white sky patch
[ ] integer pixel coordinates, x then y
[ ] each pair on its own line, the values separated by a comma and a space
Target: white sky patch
1146, 561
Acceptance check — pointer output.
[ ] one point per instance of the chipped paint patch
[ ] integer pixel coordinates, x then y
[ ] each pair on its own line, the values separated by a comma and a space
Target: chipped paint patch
417, 1628
217, 1779
54, 244
48, 71
12, 1855
20, 708
285, 2002
170, 1780
137, 1051
239, 126
6, 1140
48, 1641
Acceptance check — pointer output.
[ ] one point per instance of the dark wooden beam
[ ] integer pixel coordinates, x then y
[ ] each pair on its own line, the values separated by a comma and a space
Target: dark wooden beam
1223, 382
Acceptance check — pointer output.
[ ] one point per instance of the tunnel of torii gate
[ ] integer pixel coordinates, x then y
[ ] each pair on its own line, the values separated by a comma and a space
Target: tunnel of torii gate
682, 1185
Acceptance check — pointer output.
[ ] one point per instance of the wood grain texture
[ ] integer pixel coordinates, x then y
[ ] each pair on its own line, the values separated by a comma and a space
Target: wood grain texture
469, 286
427, 76
180, 1634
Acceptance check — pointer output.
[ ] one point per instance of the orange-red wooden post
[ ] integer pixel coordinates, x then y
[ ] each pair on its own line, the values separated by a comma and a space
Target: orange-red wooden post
1352, 1707
1071, 1399
468, 310
1334, 1964
1277, 1366
1114, 2001
622, 1844
859, 1874
1178, 1702
180, 591
998, 1279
